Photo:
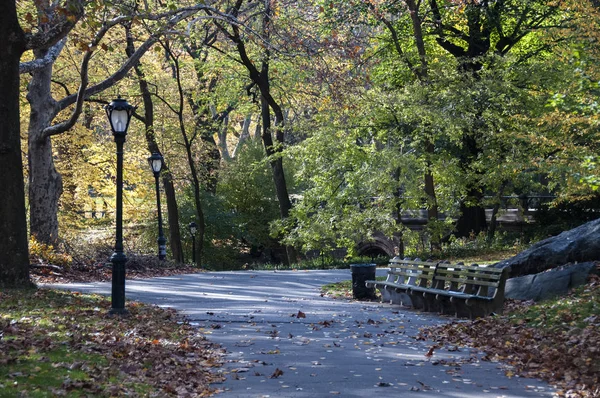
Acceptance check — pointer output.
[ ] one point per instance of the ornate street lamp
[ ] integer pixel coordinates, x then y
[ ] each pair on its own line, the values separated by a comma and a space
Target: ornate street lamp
193, 229
119, 113
156, 164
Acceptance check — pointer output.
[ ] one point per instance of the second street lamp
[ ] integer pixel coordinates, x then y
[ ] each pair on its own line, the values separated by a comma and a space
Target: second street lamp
193, 229
119, 113
156, 163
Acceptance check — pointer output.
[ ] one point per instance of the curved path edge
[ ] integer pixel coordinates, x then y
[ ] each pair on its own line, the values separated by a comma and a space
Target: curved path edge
283, 339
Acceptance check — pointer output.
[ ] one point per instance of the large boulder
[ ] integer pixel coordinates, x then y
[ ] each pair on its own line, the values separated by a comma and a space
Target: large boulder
555, 282
580, 244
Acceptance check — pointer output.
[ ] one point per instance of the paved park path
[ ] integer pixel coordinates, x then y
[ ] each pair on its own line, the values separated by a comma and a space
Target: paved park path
284, 340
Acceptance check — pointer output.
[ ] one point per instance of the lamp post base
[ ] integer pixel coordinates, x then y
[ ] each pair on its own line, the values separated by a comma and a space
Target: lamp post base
118, 312
162, 248
118, 260
194, 250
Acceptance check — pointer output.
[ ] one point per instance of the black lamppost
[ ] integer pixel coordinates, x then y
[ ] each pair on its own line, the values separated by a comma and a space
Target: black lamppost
156, 163
193, 229
119, 113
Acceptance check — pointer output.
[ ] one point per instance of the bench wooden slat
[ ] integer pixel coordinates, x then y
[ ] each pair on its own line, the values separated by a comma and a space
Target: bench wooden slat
475, 275
410, 273
472, 267
414, 263
480, 272
462, 280
457, 294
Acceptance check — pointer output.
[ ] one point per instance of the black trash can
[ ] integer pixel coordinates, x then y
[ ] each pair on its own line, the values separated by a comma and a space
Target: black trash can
360, 274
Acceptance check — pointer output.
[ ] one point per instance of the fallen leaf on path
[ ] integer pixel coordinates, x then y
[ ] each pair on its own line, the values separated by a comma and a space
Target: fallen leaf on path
430, 352
278, 372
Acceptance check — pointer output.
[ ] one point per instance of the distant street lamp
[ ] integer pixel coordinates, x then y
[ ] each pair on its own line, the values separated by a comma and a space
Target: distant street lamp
119, 113
193, 229
156, 163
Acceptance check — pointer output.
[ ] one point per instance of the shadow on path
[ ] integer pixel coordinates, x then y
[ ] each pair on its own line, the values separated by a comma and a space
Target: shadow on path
284, 340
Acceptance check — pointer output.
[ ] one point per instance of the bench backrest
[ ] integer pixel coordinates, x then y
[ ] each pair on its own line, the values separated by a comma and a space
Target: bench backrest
470, 279
411, 272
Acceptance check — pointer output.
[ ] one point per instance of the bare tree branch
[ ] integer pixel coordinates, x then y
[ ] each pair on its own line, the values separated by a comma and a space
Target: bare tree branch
131, 61
51, 55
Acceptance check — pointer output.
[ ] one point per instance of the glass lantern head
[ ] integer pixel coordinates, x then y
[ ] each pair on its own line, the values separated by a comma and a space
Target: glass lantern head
156, 162
119, 113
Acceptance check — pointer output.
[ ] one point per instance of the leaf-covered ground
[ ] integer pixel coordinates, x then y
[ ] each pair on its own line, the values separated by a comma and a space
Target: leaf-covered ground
65, 344
138, 266
556, 340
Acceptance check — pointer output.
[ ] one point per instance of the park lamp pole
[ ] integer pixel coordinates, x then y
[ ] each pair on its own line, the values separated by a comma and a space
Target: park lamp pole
119, 113
156, 164
193, 229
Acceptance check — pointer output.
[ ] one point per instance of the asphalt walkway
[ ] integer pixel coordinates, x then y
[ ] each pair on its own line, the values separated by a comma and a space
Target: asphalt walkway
284, 340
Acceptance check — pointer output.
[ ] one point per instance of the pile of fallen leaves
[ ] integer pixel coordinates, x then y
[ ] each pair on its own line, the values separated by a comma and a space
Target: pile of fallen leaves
62, 343
557, 340
138, 266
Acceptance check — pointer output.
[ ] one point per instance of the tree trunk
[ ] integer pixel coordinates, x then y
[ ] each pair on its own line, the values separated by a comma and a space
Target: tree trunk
397, 214
188, 142
167, 178
493, 222
222, 135
257, 130
494, 218
262, 80
200, 223
14, 252
276, 163
432, 206
173, 217
45, 183
206, 128
243, 137
472, 217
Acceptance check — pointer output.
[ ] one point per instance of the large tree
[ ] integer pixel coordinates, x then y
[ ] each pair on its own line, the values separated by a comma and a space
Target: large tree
14, 41
261, 18
479, 36
45, 183
474, 33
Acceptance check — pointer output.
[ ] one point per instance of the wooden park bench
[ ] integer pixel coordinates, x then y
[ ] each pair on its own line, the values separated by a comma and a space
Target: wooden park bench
403, 275
463, 290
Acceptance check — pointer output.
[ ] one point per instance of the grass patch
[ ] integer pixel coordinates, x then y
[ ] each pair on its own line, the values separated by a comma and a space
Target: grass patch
474, 249
481, 258
325, 262
338, 290
55, 343
42, 374
573, 312
475, 256
343, 289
